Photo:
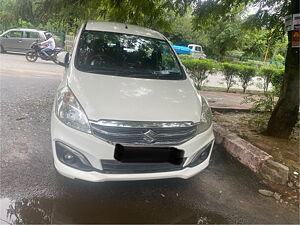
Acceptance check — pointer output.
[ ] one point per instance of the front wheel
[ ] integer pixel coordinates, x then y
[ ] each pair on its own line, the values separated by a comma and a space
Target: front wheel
54, 58
31, 56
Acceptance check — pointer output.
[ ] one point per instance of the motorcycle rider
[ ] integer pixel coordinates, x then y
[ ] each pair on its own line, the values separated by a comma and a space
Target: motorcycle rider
50, 45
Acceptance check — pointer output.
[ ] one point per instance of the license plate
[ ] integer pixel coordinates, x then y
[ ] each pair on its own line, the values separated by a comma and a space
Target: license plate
128, 154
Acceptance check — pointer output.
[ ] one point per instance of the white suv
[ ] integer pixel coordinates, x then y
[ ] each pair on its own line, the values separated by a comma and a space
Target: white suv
126, 109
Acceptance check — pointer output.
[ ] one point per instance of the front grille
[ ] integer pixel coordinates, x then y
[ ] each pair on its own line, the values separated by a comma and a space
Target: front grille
114, 166
144, 133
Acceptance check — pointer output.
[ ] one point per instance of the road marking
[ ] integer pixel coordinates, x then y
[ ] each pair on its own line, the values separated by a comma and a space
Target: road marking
29, 71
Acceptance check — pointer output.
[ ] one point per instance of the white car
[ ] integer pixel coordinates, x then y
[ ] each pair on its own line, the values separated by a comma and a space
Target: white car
197, 51
127, 110
20, 40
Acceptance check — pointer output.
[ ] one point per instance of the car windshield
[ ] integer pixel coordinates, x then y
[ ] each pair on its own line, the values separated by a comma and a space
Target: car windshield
126, 55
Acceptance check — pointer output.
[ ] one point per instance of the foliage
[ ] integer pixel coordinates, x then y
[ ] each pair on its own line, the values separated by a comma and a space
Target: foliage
267, 73
149, 13
253, 63
277, 80
259, 122
278, 57
69, 14
255, 42
7, 17
199, 70
182, 32
245, 75
277, 61
234, 54
230, 71
264, 103
224, 37
270, 15
186, 57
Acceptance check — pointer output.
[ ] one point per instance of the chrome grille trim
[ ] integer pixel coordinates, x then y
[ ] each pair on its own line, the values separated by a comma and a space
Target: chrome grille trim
137, 132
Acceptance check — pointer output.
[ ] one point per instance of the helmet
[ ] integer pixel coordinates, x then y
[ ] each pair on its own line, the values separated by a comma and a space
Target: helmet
48, 35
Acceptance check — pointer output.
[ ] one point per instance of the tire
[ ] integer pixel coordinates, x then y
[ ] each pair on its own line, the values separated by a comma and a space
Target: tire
54, 58
2, 49
31, 56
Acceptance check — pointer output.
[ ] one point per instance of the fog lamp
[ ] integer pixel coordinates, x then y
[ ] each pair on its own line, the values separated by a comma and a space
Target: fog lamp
200, 156
71, 157
204, 154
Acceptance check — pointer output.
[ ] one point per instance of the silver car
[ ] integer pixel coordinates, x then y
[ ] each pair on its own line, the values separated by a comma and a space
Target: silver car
19, 40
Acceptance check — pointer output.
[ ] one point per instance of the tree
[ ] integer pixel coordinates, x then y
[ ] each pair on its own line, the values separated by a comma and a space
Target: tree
7, 15
285, 115
245, 76
225, 37
147, 13
270, 16
182, 31
199, 70
267, 73
230, 71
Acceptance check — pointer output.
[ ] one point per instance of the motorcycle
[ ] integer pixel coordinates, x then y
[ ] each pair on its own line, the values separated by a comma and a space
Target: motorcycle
35, 52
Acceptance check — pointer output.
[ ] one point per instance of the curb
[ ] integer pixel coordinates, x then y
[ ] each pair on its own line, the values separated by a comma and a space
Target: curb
229, 109
252, 157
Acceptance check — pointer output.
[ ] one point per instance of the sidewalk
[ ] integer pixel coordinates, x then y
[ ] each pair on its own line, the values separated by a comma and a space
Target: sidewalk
226, 100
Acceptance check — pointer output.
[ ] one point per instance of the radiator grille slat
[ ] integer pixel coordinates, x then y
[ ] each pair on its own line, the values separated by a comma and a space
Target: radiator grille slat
144, 133
113, 166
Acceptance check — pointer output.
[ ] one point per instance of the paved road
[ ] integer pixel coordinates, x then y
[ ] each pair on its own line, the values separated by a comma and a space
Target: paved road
32, 192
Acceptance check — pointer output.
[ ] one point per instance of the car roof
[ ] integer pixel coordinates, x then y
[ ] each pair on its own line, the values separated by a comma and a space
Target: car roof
26, 29
194, 45
123, 28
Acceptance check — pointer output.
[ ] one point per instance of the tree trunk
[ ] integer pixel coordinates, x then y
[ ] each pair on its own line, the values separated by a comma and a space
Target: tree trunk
227, 89
285, 115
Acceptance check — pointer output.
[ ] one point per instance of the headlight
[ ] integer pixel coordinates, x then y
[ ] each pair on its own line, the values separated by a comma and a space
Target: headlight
205, 118
70, 112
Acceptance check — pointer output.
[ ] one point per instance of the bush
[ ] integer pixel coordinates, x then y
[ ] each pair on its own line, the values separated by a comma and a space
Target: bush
245, 75
264, 103
277, 61
267, 73
186, 57
233, 56
253, 63
230, 71
199, 70
277, 80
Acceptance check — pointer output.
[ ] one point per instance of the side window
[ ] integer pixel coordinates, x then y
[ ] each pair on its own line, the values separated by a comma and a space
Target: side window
198, 48
15, 34
191, 47
32, 35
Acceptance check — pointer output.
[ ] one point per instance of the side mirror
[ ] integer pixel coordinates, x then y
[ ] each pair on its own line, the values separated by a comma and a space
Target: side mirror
63, 60
67, 59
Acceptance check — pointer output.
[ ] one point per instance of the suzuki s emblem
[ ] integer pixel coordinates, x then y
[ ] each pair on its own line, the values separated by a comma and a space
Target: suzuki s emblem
149, 136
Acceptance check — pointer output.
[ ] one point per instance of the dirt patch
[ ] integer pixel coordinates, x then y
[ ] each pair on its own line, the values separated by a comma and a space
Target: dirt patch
249, 127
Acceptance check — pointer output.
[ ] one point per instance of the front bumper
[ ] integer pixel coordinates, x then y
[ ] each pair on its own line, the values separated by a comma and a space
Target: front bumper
95, 149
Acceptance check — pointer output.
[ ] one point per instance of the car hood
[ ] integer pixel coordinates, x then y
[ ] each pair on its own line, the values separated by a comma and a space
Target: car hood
135, 99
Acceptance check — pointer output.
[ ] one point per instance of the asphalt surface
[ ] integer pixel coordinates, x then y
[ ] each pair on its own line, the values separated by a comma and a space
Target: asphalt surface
32, 192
